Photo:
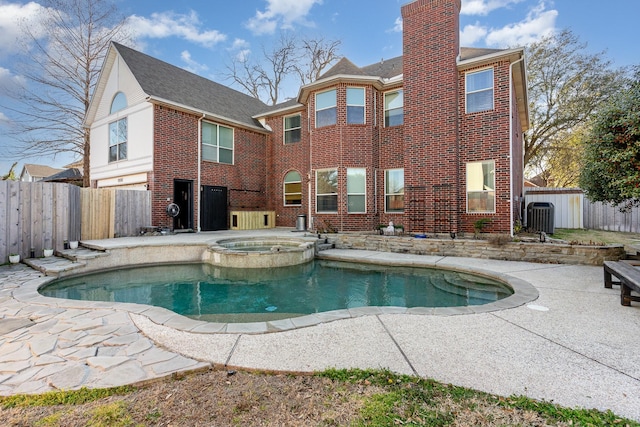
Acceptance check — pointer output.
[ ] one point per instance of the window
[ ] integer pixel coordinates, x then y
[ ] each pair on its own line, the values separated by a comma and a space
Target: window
217, 143
394, 190
327, 190
356, 190
326, 108
292, 129
355, 106
479, 88
118, 140
292, 189
119, 103
481, 185
393, 108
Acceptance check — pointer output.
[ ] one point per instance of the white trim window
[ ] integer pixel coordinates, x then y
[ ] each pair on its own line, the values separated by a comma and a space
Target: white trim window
355, 105
118, 135
356, 190
481, 187
327, 191
394, 108
217, 143
479, 90
292, 128
118, 103
292, 189
394, 190
326, 110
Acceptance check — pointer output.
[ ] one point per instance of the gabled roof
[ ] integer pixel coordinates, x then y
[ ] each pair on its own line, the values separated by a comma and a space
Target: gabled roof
165, 82
38, 171
73, 174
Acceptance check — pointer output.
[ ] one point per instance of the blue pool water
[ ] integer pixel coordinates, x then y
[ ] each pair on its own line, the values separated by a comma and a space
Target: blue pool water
206, 292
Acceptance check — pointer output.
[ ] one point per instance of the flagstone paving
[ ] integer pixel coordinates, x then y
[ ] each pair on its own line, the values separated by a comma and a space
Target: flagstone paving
49, 348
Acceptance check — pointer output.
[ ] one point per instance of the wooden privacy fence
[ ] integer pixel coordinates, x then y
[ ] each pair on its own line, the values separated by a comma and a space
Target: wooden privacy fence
108, 212
37, 215
42, 215
601, 216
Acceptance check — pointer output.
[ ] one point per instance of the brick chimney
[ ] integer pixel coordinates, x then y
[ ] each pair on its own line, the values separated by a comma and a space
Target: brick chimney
431, 154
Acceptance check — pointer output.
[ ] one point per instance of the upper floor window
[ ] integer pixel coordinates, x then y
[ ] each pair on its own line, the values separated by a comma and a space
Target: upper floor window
356, 190
326, 113
394, 190
118, 140
355, 106
327, 190
119, 102
292, 129
394, 108
292, 189
217, 143
479, 90
481, 186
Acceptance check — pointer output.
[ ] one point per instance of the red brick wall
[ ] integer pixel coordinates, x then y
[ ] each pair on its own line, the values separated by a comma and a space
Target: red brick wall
431, 152
176, 157
485, 136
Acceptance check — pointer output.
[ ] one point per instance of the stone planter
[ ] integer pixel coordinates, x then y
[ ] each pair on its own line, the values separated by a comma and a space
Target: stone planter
73, 244
48, 253
14, 258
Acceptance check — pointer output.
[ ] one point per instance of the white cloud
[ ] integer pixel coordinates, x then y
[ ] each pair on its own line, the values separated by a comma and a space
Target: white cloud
397, 25
484, 7
10, 82
281, 13
12, 17
471, 34
538, 23
192, 65
170, 24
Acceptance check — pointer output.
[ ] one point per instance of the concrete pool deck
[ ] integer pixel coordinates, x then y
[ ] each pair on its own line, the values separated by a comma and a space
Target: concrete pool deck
574, 345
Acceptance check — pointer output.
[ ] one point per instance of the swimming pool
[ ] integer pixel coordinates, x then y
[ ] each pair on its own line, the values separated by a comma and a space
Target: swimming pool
218, 294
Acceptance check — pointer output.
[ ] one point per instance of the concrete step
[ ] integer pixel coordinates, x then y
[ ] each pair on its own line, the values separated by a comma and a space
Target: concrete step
324, 246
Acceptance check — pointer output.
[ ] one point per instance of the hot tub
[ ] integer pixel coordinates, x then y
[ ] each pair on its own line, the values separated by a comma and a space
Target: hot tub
260, 252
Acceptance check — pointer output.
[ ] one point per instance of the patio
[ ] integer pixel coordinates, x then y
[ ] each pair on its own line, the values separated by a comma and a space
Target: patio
569, 346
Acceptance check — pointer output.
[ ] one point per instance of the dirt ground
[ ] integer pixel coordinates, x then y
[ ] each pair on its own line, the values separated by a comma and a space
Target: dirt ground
215, 398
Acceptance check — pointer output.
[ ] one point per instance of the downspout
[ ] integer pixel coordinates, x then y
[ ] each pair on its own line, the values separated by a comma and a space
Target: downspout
511, 144
199, 190
310, 176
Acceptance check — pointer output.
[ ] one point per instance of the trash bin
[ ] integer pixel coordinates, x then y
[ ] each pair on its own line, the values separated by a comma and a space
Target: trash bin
301, 223
540, 217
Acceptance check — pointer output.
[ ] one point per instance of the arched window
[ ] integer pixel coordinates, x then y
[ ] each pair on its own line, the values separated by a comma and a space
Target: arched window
292, 189
119, 102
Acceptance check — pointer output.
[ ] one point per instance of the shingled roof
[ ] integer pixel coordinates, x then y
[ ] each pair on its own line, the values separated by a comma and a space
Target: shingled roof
161, 80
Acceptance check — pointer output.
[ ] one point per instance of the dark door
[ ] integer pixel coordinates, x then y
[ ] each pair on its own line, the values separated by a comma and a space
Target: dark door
183, 197
214, 208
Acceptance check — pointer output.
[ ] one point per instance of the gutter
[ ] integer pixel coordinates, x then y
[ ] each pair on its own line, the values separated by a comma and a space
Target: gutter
192, 110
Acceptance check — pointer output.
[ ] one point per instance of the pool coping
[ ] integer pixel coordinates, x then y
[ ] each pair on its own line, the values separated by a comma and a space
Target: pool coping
524, 293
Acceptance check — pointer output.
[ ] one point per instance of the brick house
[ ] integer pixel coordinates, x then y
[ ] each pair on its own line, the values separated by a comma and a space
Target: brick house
432, 140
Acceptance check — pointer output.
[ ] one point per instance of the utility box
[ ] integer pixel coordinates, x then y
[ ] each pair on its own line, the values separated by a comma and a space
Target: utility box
540, 217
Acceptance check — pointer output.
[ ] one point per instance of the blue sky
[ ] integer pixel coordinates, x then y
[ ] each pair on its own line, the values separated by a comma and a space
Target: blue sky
202, 35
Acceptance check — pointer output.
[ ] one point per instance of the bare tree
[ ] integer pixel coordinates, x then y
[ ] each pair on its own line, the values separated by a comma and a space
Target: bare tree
61, 70
264, 77
566, 85
318, 54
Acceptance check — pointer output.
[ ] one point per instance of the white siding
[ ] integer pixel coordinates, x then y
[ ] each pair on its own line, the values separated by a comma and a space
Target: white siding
139, 114
567, 205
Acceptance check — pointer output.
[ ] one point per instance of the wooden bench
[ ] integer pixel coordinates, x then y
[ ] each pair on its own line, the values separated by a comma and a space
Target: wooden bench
628, 276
